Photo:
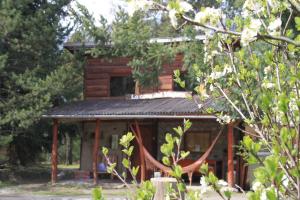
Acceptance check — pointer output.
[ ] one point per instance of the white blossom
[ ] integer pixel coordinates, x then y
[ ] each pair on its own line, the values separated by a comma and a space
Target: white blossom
211, 88
263, 195
274, 4
257, 186
285, 181
204, 186
209, 15
185, 6
135, 5
173, 18
251, 7
268, 69
203, 181
216, 75
249, 33
226, 189
274, 25
222, 183
224, 119
293, 104
267, 85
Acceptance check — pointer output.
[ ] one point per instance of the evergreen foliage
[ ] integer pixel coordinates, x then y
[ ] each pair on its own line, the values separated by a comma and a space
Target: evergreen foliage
35, 72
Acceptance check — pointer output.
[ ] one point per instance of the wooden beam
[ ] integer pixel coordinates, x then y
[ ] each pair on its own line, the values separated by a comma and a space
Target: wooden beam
142, 156
54, 152
96, 151
230, 164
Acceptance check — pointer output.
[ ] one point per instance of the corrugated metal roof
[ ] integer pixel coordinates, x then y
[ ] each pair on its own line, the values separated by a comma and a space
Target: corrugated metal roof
128, 108
166, 40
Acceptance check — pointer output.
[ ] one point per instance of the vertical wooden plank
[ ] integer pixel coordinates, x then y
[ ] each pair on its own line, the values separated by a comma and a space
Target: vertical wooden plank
142, 156
96, 151
54, 152
230, 164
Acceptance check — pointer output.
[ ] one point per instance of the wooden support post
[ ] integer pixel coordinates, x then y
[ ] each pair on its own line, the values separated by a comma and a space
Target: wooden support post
142, 156
96, 151
54, 152
230, 164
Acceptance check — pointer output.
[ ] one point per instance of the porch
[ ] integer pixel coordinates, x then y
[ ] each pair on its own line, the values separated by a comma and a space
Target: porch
104, 121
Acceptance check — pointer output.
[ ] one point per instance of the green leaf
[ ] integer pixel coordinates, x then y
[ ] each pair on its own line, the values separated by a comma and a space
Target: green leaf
178, 130
111, 167
176, 172
227, 194
135, 170
125, 163
212, 178
104, 151
184, 154
169, 138
271, 194
297, 21
187, 125
204, 169
166, 161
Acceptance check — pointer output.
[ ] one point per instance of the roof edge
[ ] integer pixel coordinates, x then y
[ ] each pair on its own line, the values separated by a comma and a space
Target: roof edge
130, 116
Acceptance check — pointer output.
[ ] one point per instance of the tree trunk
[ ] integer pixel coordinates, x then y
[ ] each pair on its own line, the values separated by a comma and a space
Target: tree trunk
69, 146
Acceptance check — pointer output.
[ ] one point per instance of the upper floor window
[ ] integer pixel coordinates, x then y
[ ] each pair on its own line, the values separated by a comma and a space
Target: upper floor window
121, 85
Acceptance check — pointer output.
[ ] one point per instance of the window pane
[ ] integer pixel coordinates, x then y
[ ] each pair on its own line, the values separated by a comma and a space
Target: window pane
121, 85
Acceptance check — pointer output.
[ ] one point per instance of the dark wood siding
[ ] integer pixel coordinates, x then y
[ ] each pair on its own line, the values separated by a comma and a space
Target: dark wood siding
99, 70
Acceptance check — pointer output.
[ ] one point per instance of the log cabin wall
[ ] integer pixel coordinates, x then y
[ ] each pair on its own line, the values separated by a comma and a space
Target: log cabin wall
98, 72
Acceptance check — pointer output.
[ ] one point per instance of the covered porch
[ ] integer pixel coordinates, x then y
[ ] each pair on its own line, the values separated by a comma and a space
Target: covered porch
104, 121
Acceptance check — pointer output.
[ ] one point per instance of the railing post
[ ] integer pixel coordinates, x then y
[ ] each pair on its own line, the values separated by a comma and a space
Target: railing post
54, 152
230, 164
96, 151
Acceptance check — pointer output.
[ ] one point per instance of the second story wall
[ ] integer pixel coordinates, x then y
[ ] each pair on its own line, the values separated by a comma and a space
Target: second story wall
102, 77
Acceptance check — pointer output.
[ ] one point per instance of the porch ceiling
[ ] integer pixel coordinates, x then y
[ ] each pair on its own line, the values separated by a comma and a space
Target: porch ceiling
130, 109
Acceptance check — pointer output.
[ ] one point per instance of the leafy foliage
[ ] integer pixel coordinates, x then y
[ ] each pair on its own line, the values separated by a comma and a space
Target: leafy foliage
253, 59
35, 72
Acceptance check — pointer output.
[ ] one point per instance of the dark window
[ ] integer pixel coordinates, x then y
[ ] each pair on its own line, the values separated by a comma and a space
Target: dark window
177, 87
121, 85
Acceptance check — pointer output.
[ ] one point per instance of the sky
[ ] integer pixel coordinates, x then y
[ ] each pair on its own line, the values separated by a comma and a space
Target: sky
104, 7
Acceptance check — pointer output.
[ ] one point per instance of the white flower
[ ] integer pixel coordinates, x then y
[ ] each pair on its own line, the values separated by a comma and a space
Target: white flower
255, 24
204, 186
226, 189
173, 18
216, 75
211, 88
249, 33
257, 186
263, 195
252, 6
293, 104
285, 181
200, 105
135, 5
203, 181
224, 119
274, 25
267, 69
185, 7
209, 15
274, 4
267, 85
222, 183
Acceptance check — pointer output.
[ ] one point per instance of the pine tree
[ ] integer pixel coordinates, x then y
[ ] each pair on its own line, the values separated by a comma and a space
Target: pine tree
35, 72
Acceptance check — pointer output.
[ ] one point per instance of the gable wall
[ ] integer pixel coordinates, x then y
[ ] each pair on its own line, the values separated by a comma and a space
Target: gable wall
98, 71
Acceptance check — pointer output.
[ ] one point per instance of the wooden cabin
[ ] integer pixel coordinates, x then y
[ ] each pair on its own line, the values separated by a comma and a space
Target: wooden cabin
112, 106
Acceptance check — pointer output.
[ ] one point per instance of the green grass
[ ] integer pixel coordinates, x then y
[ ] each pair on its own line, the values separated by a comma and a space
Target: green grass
63, 166
4, 184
